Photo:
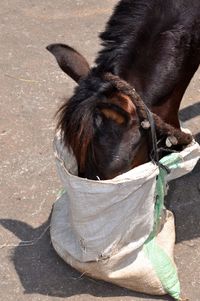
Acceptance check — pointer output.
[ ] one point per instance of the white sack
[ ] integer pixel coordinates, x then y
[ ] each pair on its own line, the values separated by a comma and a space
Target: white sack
100, 227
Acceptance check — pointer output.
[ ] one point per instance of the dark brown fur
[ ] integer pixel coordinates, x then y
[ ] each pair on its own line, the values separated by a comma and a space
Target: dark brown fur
149, 46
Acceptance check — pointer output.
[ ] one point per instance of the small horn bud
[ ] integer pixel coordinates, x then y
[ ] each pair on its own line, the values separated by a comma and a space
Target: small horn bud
145, 124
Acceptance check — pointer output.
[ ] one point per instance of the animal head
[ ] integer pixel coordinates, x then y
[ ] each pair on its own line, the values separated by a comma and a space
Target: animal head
99, 123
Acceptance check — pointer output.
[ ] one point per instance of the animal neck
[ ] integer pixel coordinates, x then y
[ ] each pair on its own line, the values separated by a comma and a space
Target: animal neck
152, 55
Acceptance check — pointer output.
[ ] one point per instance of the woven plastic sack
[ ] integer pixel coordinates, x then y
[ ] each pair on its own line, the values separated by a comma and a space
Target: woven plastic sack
118, 230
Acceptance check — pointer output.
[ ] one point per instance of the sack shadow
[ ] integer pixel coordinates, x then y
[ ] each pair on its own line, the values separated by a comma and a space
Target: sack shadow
42, 271
183, 200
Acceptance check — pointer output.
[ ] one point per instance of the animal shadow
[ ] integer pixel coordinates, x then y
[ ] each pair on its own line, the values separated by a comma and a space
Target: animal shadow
190, 112
41, 271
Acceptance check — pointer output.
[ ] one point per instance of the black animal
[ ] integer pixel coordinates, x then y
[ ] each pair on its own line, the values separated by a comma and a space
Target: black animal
152, 46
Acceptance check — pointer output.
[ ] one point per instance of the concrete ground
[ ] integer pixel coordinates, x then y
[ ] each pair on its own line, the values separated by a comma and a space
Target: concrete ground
32, 88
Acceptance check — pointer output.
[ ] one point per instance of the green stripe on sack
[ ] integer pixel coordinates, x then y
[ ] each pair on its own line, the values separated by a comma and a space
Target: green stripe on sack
164, 268
172, 161
163, 265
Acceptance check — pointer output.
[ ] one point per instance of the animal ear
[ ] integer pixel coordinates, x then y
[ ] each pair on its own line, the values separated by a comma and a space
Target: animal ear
119, 108
70, 61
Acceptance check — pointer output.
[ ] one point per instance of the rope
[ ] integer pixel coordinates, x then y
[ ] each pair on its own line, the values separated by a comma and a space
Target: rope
162, 127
